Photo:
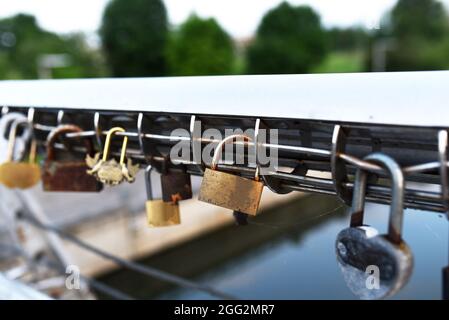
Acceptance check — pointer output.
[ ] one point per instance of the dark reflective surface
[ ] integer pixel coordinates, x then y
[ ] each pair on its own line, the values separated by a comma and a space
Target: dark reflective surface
288, 253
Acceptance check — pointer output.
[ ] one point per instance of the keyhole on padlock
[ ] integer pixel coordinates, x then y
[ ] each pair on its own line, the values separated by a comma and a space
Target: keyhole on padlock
342, 250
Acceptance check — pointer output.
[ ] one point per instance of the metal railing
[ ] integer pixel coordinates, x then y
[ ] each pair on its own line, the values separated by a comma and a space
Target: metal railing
304, 147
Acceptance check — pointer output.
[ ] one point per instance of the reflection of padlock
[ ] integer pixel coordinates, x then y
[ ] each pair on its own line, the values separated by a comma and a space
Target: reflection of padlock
360, 250
159, 212
228, 190
60, 175
20, 175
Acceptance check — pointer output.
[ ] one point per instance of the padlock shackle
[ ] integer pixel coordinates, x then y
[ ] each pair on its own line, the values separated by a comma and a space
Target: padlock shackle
148, 186
107, 144
358, 198
219, 149
12, 140
9, 118
395, 221
63, 129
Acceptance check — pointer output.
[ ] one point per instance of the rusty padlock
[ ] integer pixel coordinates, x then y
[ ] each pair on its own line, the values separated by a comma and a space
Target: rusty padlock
159, 212
67, 175
22, 175
228, 190
175, 186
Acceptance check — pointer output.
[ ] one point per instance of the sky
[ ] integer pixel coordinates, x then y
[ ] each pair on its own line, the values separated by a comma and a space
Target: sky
238, 17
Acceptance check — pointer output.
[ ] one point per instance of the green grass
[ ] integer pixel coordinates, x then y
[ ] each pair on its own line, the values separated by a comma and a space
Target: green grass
336, 62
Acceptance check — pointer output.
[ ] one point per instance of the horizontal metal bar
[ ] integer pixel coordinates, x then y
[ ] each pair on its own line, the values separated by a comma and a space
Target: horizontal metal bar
303, 150
370, 198
338, 98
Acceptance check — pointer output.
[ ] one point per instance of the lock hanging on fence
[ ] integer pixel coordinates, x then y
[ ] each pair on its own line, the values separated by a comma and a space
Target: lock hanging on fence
175, 186
159, 212
230, 191
22, 175
375, 266
109, 171
21, 141
60, 175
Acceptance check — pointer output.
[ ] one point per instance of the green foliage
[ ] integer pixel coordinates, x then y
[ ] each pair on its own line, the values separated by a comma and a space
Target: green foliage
134, 35
419, 30
288, 40
200, 47
26, 42
342, 61
422, 18
83, 61
347, 39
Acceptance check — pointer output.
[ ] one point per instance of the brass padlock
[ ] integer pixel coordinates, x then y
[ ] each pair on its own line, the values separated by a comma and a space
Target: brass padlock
230, 191
22, 175
71, 175
159, 212
110, 171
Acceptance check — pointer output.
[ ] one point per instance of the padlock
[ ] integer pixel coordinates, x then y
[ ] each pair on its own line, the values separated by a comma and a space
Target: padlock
159, 212
228, 190
22, 175
20, 142
175, 186
110, 171
375, 266
71, 175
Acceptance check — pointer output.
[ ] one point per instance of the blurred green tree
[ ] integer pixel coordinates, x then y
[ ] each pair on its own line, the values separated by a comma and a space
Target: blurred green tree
133, 34
23, 43
200, 47
416, 33
288, 40
423, 18
347, 39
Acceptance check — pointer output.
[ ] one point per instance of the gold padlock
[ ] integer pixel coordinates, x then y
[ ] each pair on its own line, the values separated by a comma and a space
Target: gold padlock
230, 191
110, 171
22, 175
159, 212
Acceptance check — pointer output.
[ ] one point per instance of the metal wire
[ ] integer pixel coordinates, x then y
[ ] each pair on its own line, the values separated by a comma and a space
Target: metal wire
300, 150
44, 261
97, 285
137, 267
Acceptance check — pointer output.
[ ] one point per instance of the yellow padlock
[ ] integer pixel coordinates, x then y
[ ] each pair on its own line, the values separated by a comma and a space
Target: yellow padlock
228, 190
159, 212
22, 175
110, 171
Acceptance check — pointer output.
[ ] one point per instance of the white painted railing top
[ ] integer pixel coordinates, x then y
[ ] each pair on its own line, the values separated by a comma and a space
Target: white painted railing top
401, 98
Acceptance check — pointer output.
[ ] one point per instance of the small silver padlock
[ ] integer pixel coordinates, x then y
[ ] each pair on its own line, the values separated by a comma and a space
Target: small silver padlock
375, 266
